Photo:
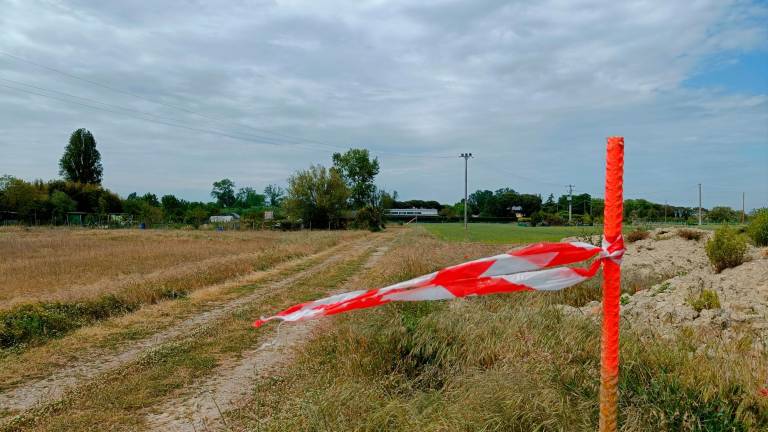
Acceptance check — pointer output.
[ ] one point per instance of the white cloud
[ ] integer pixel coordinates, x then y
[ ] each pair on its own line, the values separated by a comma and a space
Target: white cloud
532, 88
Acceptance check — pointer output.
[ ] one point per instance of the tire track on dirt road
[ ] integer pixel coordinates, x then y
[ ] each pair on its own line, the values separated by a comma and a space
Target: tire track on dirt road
232, 383
52, 388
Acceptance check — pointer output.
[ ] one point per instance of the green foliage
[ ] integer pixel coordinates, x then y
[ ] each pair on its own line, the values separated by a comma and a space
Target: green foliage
61, 203
501, 203
224, 192
758, 227
721, 215
726, 249
81, 161
317, 196
31, 323
358, 171
248, 198
275, 194
707, 299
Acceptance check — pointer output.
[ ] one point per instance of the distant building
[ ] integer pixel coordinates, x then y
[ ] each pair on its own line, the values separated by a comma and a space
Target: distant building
413, 212
225, 218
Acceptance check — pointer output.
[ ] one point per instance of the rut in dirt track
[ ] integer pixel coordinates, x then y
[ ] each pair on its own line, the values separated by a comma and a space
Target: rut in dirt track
53, 387
232, 383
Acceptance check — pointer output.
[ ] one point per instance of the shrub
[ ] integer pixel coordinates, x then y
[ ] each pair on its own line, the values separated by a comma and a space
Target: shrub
690, 234
707, 299
637, 234
758, 228
726, 249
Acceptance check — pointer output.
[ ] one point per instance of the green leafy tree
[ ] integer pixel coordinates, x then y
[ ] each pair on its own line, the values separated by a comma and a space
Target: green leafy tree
247, 198
22, 197
61, 203
358, 171
81, 161
317, 196
224, 192
721, 214
275, 194
173, 207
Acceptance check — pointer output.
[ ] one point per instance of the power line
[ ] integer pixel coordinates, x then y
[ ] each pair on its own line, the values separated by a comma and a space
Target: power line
269, 140
141, 115
196, 129
197, 113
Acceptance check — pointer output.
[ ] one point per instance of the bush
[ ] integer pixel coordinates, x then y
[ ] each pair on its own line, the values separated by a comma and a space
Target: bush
707, 299
690, 234
637, 234
726, 249
758, 228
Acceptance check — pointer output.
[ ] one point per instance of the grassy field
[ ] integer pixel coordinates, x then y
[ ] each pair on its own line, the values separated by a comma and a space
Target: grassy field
513, 234
58, 280
498, 363
503, 233
68, 265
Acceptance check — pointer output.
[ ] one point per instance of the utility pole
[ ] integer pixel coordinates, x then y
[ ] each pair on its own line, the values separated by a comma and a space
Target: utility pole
570, 202
699, 204
743, 212
665, 212
466, 157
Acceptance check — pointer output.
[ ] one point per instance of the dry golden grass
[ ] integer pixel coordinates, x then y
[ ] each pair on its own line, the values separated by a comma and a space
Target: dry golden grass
66, 265
497, 363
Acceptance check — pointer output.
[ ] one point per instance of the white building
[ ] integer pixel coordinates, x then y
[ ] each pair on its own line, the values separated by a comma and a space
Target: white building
413, 212
225, 218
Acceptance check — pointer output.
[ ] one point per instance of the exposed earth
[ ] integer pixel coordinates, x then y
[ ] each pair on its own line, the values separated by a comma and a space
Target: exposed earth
740, 314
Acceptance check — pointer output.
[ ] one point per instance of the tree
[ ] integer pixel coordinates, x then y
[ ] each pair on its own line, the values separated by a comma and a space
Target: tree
317, 196
550, 206
275, 194
247, 198
721, 214
358, 171
61, 204
173, 207
224, 192
81, 161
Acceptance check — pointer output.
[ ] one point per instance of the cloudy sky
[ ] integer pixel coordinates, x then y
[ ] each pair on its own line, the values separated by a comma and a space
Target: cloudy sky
181, 93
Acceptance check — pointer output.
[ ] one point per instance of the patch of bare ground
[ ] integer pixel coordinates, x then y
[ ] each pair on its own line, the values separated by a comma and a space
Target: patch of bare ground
231, 384
88, 364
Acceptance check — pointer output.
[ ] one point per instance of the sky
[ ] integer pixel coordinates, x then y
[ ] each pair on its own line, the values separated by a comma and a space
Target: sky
179, 94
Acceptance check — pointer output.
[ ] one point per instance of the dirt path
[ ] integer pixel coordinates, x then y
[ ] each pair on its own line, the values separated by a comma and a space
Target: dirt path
232, 383
92, 364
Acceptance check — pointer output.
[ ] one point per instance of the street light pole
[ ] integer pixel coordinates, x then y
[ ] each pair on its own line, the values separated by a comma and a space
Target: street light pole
466, 157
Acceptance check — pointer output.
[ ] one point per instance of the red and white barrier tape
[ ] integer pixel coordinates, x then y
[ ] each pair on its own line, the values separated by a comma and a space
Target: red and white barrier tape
533, 268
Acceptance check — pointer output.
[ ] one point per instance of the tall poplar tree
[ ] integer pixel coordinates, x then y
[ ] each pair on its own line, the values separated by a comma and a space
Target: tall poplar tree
81, 161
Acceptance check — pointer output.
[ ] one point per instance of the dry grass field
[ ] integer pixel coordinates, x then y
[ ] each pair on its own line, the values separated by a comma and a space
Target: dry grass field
67, 265
513, 362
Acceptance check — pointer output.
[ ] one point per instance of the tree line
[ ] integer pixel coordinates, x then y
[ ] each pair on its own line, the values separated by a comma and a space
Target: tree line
342, 195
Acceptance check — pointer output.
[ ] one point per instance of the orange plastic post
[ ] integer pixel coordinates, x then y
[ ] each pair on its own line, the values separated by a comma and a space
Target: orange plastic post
609, 355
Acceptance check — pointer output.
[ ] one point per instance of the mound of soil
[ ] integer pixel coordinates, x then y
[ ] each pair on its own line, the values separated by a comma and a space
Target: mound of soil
737, 312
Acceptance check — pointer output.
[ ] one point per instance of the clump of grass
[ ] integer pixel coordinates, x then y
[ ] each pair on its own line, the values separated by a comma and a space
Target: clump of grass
637, 235
726, 249
707, 299
758, 227
33, 323
690, 234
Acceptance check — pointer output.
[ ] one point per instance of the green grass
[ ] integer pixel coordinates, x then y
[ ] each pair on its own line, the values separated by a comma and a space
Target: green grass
504, 233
